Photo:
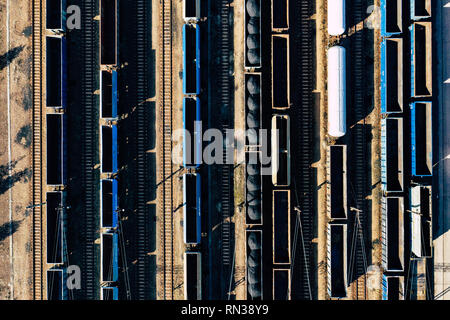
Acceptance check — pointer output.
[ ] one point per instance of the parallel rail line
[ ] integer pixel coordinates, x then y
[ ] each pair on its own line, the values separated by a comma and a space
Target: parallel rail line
359, 149
37, 150
90, 143
166, 202
142, 279
224, 85
303, 117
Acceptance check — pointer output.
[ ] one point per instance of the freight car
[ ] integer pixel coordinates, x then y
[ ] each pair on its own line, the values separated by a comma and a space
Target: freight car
420, 9
254, 266
56, 68
281, 154
392, 236
192, 276
55, 226
109, 204
192, 137
391, 17
192, 10
109, 257
392, 75
56, 14
421, 139
337, 181
252, 34
337, 99
108, 149
281, 226
392, 154
56, 284
421, 221
253, 189
192, 208
337, 260
281, 284
109, 34
253, 107
280, 15
108, 94
56, 149
393, 288
191, 59
336, 17
280, 72
421, 60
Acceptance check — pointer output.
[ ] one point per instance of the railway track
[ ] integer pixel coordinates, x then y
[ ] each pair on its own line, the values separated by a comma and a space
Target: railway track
303, 117
359, 159
90, 143
224, 85
142, 279
166, 147
37, 149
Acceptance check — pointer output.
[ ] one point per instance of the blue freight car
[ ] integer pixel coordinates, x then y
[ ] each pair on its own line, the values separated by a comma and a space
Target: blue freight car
110, 257
192, 208
391, 17
421, 139
192, 137
56, 69
392, 287
109, 203
392, 75
108, 149
191, 59
108, 94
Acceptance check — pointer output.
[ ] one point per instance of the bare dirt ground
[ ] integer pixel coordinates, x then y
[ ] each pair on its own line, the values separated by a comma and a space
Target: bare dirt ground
374, 118
15, 150
239, 123
177, 123
321, 107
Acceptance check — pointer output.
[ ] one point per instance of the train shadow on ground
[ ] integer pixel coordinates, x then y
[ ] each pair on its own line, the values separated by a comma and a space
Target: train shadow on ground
8, 57
140, 245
